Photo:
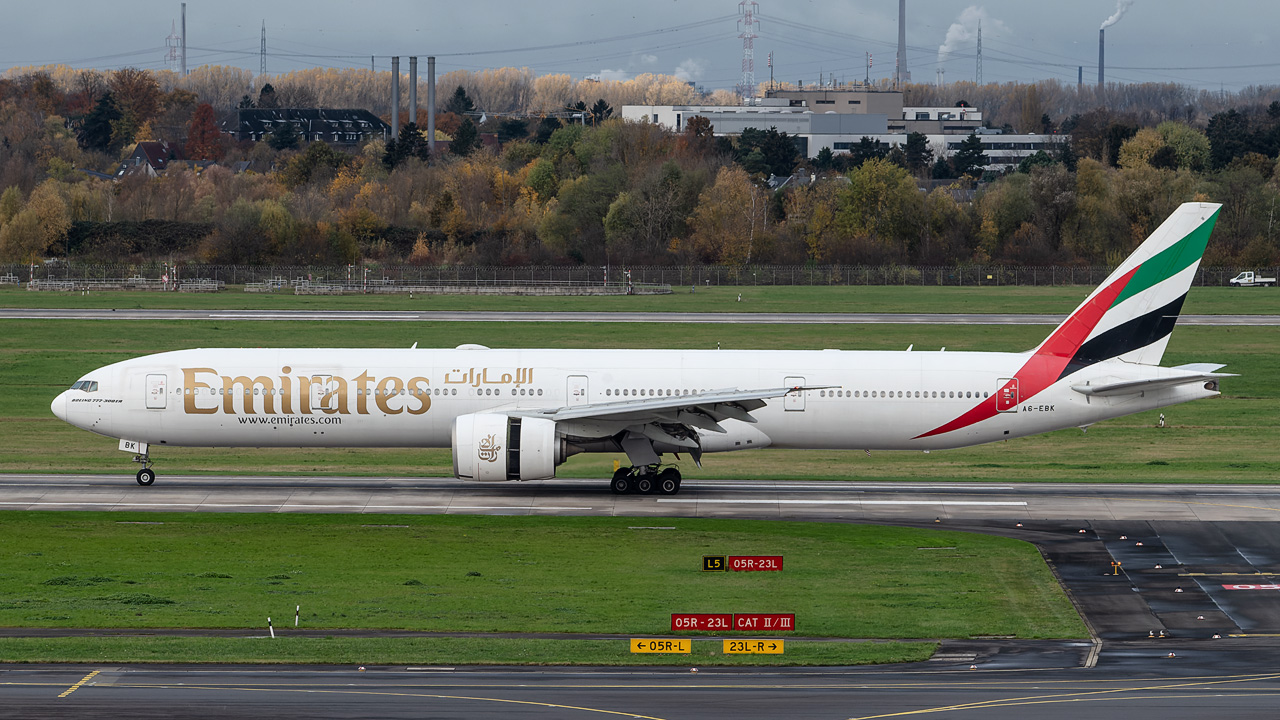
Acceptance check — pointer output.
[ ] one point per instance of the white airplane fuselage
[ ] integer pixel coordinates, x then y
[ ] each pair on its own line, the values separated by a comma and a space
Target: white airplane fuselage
372, 398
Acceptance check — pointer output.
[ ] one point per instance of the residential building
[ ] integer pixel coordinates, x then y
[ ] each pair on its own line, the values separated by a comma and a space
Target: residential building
333, 126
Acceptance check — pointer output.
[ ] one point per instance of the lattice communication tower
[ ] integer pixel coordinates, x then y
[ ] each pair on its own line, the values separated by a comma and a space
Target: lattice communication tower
747, 27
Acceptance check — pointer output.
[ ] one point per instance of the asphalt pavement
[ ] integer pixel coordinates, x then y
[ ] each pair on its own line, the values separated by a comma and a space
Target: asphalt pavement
595, 317
1183, 627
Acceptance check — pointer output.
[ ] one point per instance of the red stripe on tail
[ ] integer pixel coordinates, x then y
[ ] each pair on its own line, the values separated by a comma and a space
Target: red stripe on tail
1046, 365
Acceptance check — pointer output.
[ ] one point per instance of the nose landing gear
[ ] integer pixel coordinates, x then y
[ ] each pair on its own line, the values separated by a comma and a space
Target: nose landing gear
146, 475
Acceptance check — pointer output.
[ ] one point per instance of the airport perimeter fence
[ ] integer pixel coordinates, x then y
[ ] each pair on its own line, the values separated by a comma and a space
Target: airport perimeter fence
676, 276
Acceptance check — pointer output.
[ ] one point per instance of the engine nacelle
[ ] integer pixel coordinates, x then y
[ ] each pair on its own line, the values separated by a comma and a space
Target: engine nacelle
489, 446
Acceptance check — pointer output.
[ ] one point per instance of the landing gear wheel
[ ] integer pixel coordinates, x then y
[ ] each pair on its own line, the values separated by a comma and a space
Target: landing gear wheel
622, 483
146, 476
669, 481
645, 484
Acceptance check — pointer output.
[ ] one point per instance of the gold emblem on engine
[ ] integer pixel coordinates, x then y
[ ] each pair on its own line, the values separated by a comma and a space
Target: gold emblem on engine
488, 449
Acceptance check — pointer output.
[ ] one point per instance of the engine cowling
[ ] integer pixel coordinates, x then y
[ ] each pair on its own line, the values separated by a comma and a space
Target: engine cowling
489, 446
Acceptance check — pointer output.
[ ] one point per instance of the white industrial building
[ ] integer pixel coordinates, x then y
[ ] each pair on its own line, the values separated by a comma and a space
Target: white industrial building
839, 119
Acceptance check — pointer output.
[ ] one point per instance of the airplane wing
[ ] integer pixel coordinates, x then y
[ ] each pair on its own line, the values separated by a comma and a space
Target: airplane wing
701, 410
672, 422
1181, 375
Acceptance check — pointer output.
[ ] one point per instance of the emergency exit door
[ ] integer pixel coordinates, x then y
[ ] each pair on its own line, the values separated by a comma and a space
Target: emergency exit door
793, 401
577, 390
157, 391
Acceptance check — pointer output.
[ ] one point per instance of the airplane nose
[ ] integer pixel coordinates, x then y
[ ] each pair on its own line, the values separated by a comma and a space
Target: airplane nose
59, 406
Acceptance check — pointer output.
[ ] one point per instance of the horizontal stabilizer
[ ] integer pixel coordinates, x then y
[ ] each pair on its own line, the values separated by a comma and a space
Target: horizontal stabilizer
1132, 387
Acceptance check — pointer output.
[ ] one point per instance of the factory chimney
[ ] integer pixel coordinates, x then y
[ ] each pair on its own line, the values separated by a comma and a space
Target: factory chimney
395, 97
903, 75
413, 90
1102, 47
431, 104
183, 70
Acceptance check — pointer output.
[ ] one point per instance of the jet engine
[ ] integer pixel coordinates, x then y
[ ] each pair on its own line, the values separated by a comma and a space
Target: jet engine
490, 446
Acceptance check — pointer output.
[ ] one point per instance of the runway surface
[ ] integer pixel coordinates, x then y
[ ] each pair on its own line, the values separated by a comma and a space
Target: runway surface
757, 499
598, 317
1196, 561
1241, 689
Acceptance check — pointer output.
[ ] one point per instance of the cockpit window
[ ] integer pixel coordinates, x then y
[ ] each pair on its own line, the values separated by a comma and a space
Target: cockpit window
86, 385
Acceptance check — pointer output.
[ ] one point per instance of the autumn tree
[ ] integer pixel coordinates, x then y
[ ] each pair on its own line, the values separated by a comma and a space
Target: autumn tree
880, 204
728, 221
137, 95
204, 140
35, 229
698, 137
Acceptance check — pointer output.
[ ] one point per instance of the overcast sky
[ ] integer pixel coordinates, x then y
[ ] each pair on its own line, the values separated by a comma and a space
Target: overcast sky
1224, 44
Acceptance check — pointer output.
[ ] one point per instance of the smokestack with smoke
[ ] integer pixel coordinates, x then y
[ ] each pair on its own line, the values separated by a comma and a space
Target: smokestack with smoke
1121, 7
1102, 47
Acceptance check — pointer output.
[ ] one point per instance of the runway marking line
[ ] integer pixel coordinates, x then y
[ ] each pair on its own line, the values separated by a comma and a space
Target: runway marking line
83, 680
1073, 697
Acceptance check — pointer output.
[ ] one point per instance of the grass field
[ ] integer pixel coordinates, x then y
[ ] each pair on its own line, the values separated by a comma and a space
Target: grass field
507, 574
1227, 439
1056, 300
435, 651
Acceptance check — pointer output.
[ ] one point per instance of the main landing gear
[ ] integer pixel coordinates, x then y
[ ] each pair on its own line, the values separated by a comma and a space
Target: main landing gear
645, 480
146, 475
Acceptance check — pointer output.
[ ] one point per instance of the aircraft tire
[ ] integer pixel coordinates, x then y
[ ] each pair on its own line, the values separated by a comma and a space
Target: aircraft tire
669, 481
645, 484
621, 484
146, 476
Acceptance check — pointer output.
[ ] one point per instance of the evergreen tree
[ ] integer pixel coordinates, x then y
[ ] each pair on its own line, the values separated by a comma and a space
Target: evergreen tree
600, 112
512, 129
969, 158
825, 159
411, 143
459, 103
245, 103
96, 132
267, 97
285, 137
919, 154
866, 149
778, 148
466, 140
546, 127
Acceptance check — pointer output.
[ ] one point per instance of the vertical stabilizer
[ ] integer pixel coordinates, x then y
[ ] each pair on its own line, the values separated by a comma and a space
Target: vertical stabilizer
1131, 315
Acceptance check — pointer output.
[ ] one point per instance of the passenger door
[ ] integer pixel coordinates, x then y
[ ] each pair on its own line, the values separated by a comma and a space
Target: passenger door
157, 391
1007, 395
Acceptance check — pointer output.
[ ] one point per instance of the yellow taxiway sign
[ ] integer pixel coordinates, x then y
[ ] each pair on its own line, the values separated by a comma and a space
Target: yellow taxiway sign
648, 645
752, 647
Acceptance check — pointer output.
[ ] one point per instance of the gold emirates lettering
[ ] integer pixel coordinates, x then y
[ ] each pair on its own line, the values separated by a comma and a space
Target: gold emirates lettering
207, 392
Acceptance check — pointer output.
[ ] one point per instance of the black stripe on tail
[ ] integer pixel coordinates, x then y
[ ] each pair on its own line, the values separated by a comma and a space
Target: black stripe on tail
1126, 337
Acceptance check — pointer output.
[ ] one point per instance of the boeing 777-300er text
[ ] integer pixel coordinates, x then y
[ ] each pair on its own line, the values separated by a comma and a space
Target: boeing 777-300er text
517, 414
